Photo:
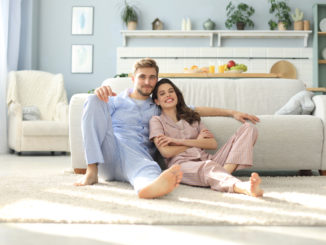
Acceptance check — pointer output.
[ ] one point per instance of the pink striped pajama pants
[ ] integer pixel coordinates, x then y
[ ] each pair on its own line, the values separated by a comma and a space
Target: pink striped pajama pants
237, 150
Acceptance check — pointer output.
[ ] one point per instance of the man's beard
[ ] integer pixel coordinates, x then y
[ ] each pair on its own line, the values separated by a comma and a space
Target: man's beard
144, 94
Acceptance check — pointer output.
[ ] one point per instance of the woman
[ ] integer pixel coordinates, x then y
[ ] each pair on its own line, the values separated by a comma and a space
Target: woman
180, 136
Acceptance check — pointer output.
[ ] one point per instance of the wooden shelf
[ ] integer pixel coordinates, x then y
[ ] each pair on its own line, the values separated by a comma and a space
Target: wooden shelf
317, 90
321, 61
322, 33
210, 34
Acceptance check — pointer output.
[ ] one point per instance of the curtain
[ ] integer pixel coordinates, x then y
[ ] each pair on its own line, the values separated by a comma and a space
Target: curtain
10, 12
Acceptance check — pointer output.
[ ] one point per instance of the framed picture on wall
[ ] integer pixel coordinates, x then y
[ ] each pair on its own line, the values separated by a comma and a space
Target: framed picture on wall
81, 58
82, 20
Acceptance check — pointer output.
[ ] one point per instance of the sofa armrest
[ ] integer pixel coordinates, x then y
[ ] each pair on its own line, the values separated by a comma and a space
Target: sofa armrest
320, 111
320, 106
15, 118
75, 134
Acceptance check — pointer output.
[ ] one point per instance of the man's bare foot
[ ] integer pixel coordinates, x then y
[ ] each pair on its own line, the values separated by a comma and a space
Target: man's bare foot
90, 177
164, 184
250, 187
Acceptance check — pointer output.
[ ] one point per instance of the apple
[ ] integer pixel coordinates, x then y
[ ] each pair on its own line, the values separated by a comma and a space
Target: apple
230, 63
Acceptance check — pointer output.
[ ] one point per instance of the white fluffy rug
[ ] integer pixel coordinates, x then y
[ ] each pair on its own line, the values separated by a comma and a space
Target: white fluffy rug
53, 198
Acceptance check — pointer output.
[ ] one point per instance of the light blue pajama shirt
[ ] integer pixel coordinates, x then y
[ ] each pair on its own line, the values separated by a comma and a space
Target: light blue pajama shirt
116, 136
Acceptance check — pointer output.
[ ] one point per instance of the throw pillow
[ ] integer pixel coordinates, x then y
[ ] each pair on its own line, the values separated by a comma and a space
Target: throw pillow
31, 113
299, 104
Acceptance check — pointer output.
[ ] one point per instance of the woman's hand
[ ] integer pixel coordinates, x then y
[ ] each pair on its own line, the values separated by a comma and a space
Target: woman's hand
104, 92
242, 117
163, 140
205, 134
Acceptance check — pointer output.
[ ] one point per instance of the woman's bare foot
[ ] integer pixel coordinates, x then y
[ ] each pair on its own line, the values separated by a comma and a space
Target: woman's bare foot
250, 187
164, 184
90, 177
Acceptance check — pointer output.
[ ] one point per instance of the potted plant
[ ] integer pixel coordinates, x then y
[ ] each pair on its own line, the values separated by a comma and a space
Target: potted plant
282, 12
297, 18
129, 16
239, 15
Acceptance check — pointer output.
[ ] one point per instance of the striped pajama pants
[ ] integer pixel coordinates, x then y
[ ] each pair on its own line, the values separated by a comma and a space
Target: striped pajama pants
210, 173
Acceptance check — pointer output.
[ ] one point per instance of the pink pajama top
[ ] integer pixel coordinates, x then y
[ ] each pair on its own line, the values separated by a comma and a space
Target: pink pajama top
164, 125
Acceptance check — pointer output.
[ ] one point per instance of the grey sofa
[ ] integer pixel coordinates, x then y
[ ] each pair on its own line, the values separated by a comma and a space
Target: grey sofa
285, 142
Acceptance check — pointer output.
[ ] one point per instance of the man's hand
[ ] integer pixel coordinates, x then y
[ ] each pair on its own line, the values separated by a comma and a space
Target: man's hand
163, 140
242, 117
205, 134
104, 92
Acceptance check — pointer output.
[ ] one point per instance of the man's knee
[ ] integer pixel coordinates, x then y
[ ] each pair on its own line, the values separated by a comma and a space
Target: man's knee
94, 100
94, 104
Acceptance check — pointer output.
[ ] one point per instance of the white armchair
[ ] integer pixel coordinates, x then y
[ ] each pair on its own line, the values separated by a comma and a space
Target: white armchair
46, 92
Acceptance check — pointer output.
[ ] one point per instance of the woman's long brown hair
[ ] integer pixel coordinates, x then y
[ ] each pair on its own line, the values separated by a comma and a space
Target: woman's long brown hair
183, 111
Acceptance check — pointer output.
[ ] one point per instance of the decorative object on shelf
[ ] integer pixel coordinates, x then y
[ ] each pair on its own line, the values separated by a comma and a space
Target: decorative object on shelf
82, 20
239, 15
322, 25
209, 25
297, 18
306, 25
282, 14
284, 68
188, 25
157, 24
129, 16
183, 24
323, 53
82, 59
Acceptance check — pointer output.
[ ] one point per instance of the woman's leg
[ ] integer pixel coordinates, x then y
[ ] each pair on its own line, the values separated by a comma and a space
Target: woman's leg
207, 174
237, 153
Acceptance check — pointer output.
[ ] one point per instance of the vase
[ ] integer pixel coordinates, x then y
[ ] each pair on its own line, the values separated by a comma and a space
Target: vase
298, 25
281, 26
240, 25
209, 25
132, 25
306, 25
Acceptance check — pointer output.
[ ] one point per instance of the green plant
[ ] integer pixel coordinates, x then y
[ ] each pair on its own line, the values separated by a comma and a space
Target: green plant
282, 13
128, 13
298, 16
240, 13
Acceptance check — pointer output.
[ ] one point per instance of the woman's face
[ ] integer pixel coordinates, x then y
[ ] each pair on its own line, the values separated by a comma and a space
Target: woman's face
166, 96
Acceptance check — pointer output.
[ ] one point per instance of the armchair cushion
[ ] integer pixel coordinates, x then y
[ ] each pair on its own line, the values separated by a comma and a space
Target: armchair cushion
44, 128
31, 113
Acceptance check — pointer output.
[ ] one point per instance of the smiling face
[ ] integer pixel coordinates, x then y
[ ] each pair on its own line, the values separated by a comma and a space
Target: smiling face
144, 81
166, 96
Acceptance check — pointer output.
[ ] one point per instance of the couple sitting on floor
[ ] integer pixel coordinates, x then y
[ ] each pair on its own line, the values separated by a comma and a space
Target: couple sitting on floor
119, 131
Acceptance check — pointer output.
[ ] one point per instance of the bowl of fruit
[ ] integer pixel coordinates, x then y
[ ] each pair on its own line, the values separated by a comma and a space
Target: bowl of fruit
232, 67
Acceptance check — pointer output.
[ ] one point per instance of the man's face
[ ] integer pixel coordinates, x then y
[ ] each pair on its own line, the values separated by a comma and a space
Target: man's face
144, 80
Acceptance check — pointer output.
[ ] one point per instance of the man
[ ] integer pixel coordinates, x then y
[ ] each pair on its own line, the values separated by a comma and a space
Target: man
115, 134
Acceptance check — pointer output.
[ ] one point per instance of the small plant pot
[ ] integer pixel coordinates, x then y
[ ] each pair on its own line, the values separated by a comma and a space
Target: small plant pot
240, 26
306, 25
132, 25
298, 25
281, 26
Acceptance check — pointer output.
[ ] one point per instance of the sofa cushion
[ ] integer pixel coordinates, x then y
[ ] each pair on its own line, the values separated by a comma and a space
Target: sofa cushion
44, 128
300, 103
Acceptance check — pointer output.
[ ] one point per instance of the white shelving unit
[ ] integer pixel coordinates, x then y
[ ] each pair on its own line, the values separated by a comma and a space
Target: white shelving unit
210, 35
